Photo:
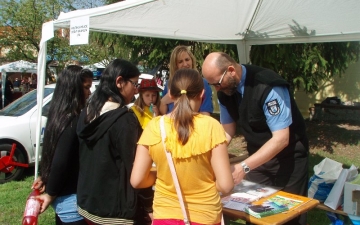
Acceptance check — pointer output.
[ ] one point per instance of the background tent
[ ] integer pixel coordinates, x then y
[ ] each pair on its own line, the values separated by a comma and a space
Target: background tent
19, 66
15, 67
240, 22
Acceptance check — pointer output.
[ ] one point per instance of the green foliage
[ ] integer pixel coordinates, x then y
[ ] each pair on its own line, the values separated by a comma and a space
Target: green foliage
304, 65
157, 51
13, 197
104, 47
22, 21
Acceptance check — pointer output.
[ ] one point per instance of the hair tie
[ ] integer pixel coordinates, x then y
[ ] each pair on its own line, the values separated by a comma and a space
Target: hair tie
183, 91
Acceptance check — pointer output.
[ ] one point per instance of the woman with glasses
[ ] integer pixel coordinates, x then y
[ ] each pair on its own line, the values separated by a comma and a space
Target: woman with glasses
182, 57
108, 132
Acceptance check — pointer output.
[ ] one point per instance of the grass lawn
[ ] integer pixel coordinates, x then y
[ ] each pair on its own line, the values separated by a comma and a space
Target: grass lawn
13, 197
339, 141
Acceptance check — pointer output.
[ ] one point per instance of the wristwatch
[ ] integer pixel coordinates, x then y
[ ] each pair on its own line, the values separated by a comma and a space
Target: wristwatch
245, 167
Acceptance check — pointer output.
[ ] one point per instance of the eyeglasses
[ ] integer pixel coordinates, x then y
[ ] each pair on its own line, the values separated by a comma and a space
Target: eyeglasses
218, 84
136, 85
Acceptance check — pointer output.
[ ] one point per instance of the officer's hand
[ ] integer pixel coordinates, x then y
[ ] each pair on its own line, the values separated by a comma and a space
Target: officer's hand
237, 173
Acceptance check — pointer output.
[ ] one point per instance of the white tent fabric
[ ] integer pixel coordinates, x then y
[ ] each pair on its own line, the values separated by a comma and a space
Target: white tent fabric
240, 22
19, 66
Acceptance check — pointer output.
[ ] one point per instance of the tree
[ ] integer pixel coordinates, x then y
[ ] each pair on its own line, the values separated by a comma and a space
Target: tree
104, 47
22, 22
304, 65
156, 51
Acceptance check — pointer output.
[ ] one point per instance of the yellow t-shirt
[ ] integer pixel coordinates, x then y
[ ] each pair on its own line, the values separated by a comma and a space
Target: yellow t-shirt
193, 168
145, 118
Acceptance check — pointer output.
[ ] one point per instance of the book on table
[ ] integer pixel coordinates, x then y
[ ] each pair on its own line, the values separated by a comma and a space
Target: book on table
273, 205
267, 208
245, 193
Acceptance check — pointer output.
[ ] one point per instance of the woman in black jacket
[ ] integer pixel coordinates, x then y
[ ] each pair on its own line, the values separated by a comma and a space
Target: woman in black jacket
108, 132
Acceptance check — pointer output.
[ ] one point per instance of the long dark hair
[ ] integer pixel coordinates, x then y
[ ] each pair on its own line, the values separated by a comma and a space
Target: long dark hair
107, 87
186, 84
67, 101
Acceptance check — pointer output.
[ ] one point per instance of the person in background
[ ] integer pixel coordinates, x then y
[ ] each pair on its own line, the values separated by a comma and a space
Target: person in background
260, 101
108, 132
25, 85
59, 165
33, 83
198, 147
8, 93
146, 106
140, 66
182, 57
1, 96
17, 84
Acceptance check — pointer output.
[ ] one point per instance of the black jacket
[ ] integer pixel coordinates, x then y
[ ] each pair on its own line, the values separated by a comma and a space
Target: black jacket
107, 152
63, 175
250, 115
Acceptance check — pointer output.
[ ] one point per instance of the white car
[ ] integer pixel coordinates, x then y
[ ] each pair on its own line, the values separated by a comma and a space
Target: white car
18, 125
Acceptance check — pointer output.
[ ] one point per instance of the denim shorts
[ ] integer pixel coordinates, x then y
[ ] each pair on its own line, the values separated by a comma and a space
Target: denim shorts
66, 208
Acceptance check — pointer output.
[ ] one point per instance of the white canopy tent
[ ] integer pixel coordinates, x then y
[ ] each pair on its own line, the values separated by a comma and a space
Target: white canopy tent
240, 22
20, 66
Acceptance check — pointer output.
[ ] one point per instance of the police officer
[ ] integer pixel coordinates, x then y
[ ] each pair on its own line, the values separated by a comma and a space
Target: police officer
260, 101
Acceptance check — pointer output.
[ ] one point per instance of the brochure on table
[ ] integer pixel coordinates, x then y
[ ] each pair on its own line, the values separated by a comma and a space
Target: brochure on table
267, 208
246, 192
276, 204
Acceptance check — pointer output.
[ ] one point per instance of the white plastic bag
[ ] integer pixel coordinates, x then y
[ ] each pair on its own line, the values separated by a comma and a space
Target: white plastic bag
336, 195
325, 175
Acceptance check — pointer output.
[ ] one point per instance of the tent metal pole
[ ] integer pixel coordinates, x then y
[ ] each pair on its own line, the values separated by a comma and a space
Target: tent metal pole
40, 96
243, 52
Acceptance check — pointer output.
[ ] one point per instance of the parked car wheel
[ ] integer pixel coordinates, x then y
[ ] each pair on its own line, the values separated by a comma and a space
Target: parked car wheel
12, 172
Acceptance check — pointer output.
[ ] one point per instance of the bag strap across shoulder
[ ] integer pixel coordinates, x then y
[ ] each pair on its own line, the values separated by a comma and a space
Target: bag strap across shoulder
173, 172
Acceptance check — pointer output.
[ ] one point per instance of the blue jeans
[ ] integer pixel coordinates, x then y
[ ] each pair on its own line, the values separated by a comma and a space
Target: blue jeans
66, 208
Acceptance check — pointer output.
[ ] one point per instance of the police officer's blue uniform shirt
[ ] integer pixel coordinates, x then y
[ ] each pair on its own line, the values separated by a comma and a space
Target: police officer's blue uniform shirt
277, 107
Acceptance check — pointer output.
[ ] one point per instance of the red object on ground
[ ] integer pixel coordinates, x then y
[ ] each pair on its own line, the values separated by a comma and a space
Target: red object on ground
32, 209
7, 164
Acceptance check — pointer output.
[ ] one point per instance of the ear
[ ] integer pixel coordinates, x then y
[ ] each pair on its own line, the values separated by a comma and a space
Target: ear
231, 69
118, 81
202, 93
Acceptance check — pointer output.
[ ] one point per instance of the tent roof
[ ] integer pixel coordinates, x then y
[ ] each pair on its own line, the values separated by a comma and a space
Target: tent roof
231, 21
19, 66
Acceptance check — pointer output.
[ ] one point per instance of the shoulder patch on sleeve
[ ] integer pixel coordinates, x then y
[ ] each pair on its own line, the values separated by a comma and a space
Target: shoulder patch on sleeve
273, 107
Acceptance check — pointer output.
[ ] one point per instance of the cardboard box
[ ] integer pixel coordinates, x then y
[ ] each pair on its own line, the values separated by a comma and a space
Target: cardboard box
352, 197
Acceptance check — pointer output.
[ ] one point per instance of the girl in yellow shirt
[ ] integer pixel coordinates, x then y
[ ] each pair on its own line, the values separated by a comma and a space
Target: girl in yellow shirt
147, 104
198, 147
